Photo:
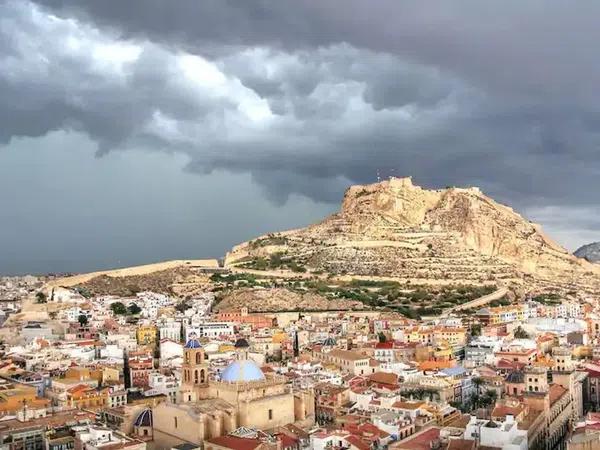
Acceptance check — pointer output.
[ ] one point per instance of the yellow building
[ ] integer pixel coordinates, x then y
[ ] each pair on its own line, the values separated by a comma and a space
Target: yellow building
453, 336
147, 335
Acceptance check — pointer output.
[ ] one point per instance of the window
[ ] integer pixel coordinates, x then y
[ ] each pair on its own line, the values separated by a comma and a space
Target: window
270, 414
175, 421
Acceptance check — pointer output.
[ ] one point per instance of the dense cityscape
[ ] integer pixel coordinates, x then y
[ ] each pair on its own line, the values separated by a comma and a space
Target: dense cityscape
83, 367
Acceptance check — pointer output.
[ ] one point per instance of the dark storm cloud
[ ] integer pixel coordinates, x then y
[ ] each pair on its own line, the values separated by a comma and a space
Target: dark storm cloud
524, 48
309, 95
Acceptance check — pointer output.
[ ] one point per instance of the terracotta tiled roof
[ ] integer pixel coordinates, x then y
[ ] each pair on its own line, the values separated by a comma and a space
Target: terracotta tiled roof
503, 410
420, 441
461, 444
384, 378
357, 442
408, 405
235, 443
556, 392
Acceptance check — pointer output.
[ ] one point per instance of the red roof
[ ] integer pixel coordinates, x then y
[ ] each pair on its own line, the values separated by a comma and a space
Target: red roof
357, 442
236, 443
287, 441
385, 345
506, 364
420, 441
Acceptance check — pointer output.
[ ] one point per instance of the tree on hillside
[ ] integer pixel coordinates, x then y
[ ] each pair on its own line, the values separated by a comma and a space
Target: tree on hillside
382, 337
118, 308
40, 297
182, 306
520, 333
476, 329
82, 319
133, 309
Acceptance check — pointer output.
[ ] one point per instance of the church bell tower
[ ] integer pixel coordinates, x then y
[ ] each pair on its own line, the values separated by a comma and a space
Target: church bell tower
194, 370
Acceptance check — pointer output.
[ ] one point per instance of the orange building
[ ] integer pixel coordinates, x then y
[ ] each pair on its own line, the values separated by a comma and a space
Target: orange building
256, 321
14, 396
83, 396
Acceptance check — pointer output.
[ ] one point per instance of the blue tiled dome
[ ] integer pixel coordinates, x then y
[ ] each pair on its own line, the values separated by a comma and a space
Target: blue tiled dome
241, 371
144, 419
192, 343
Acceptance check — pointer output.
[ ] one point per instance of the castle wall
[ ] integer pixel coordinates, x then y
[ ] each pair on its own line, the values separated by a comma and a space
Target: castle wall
174, 425
267, 413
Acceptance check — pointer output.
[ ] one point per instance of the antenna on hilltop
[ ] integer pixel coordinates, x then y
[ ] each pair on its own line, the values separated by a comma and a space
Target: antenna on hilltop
378, 176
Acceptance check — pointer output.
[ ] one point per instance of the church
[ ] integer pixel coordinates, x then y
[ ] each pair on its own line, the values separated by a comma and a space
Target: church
243, 396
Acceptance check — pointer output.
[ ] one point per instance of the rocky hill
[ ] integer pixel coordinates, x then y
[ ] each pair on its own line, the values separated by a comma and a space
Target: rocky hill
279, 299
589, 252
396, 229
181, 281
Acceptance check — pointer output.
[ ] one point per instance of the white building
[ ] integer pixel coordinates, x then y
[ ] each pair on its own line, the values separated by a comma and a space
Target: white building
170, 349
209, 329
163, 384
94, 437
505, 435
169, 328
112, 352
152, 302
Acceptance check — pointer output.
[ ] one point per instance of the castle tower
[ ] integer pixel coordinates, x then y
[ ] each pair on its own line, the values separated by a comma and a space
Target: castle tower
536, 380
564, 374
562, 359
194, 370
536, 388
562, 371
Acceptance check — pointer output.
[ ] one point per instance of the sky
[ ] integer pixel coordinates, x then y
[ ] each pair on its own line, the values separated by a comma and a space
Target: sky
139, 131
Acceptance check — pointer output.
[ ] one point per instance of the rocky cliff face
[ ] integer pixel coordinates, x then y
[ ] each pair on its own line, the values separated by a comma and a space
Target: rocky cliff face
589, 252
396, 229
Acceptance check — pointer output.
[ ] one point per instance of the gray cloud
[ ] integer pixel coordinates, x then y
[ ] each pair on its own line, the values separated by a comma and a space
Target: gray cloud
308, 96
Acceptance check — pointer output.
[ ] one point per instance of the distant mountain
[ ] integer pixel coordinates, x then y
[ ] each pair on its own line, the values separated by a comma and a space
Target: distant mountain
396, 229
590, 252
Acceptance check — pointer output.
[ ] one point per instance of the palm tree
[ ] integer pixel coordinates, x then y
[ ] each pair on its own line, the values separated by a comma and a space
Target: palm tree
477, 382
489, 398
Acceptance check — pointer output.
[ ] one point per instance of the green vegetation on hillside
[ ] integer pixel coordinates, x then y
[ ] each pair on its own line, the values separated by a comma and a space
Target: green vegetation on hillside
409, 300
271, 239
277, 260
551, 298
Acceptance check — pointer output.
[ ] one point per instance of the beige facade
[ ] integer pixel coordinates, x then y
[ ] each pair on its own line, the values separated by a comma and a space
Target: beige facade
348, 361
555, 405
207, 408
